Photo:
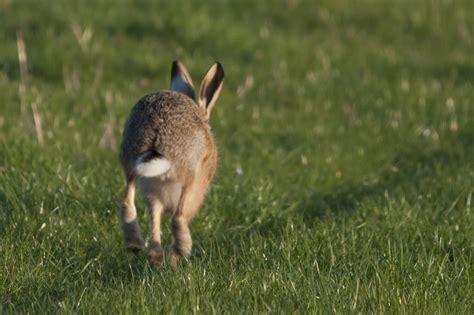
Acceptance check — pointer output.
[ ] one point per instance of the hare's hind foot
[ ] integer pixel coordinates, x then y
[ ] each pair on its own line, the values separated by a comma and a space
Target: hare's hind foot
132, 239
128, 216
175, 260
182, 242
134, 248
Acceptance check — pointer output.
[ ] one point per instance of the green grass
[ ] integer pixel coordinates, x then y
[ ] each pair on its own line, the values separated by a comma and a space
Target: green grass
352, 123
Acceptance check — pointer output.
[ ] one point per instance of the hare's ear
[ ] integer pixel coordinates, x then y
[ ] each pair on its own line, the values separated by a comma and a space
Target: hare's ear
181, 80
211, 86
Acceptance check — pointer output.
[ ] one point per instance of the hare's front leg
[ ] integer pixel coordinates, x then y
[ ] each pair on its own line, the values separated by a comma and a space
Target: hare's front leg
128, 217
156, 254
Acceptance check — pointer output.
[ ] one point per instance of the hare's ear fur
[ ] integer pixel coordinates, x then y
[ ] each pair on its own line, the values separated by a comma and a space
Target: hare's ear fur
211, 86
181, 80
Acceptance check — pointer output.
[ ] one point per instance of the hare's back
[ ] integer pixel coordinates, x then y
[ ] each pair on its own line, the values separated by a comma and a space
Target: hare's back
169, 124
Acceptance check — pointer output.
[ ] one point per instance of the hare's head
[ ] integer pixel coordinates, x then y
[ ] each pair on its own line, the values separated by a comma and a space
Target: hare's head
211, 85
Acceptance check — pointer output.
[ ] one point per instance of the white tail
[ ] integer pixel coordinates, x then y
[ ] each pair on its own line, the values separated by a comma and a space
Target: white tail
152, 168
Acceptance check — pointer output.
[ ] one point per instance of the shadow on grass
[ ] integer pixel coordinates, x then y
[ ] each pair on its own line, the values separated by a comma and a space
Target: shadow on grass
408, 169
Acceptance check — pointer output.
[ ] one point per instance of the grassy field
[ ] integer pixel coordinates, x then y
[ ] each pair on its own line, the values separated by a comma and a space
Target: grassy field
346, 155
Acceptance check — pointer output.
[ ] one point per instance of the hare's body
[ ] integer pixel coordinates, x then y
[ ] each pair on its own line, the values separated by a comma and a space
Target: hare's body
168, 148
171, 125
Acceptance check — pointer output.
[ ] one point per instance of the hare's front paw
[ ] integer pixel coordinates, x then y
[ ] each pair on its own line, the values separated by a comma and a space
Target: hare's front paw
156, 258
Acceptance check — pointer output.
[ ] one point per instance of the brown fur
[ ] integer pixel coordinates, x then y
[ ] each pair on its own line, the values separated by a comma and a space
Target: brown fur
173, 126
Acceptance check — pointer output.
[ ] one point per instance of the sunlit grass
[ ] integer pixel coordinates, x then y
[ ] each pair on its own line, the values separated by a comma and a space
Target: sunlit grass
346, 161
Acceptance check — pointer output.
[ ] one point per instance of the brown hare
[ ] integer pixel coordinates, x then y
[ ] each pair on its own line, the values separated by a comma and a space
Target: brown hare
169, 150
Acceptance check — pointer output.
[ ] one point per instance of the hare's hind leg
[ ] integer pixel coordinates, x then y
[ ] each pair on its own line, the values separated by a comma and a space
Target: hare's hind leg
128, 217
191, 199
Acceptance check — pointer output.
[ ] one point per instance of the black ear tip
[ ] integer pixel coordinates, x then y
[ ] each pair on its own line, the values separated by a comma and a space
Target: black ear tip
174, 67
220, 69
